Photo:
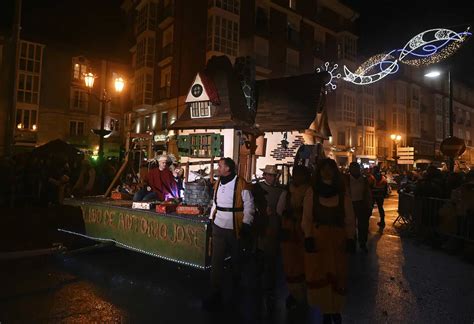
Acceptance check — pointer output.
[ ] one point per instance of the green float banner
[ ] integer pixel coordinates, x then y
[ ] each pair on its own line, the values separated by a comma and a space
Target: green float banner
181, 239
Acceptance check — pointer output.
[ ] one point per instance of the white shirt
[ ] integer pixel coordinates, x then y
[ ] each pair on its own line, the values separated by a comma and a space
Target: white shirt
357, 187
225, 199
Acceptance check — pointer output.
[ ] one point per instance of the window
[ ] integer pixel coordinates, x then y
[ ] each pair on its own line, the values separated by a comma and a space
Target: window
415, 123
165, 83
26, 119
79, 68
146, 18
28, 88
347, 48
30, 57
232, 6
400, 94
261, 19
293, 33
349, 110
201, 145
114, 125
341, 138
164, 120
468, 135
76, 128
79, 99
261, 49
415, 94
292, 61
225, 35
146, 123
200, 109
369, 112
168, 36
145, 55
369, 143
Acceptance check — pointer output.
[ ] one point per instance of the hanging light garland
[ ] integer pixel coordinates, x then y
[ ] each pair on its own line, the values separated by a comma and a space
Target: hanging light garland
429, 47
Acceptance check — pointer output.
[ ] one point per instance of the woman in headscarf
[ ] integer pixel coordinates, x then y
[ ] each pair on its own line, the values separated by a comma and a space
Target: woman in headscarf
328, 226
292, 245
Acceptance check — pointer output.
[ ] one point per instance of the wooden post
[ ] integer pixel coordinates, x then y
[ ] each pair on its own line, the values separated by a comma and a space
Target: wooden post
211, 171
186, 173
122, 168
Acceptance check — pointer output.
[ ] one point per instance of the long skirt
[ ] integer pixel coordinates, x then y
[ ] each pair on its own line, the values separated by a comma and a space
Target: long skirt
326, 269
292, 249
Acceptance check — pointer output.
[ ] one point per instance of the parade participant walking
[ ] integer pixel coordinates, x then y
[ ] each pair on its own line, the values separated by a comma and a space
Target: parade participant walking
158, 184
378, 185
267, 200
328, 226
292, 245
232, 214
361, 196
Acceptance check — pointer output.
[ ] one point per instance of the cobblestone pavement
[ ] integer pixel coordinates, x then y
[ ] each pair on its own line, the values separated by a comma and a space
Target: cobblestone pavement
398, 281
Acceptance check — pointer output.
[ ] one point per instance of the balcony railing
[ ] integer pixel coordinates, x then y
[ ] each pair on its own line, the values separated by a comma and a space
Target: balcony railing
167, 51
164, 92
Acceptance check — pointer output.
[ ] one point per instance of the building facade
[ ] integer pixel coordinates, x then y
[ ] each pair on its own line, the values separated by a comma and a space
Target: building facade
53, 102
173, 40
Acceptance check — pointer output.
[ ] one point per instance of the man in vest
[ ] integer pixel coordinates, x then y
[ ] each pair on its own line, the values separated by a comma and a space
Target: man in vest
270, 201
232, 214
359, 190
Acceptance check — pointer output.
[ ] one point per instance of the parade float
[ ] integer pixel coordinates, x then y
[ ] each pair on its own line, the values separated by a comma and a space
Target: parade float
228, 114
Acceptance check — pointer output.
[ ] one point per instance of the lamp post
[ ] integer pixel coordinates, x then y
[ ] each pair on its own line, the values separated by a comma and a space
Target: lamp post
395, 139
435, 74
104, 98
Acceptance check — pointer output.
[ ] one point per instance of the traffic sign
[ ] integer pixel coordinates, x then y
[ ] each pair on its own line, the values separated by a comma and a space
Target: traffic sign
406, 155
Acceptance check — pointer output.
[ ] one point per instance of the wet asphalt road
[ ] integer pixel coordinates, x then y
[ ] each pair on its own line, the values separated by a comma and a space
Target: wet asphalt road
398, 281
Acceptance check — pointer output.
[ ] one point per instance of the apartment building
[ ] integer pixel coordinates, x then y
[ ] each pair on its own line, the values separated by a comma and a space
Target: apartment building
175, 38
53, 102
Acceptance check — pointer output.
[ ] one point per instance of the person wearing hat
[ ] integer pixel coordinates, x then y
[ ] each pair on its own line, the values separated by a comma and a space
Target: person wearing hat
269, 201
158, 184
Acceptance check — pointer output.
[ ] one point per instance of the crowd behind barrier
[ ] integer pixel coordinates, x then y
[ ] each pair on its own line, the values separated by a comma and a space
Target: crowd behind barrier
430, 215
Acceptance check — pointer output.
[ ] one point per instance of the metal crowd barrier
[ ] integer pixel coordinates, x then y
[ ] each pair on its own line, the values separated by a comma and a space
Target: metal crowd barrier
422, 215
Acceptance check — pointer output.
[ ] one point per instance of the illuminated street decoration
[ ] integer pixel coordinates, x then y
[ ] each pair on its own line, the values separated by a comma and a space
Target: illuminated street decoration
428, 47
333, 75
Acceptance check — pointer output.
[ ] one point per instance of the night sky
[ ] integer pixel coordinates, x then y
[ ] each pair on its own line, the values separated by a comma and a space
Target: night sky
383, 25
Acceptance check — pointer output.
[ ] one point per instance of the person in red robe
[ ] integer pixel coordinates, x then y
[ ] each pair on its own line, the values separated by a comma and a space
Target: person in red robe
159, 183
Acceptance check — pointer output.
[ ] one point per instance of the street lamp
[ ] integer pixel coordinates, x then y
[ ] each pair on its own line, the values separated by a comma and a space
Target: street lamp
435, 74
119, 84
396, 139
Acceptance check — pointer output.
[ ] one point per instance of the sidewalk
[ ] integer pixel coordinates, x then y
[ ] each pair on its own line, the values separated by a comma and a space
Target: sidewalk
402, 282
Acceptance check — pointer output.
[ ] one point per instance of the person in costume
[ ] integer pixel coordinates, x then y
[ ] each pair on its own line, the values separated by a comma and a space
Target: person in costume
328, 226
232, 214
158, 184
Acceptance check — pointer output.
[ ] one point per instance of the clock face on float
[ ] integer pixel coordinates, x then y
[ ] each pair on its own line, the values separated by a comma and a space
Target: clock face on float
196, 90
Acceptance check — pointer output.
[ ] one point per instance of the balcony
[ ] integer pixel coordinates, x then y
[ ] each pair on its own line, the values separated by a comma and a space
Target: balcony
167, 16
164, 93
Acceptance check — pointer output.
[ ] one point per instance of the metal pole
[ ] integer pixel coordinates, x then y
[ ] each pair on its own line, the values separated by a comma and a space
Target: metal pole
451, 117
102, 100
